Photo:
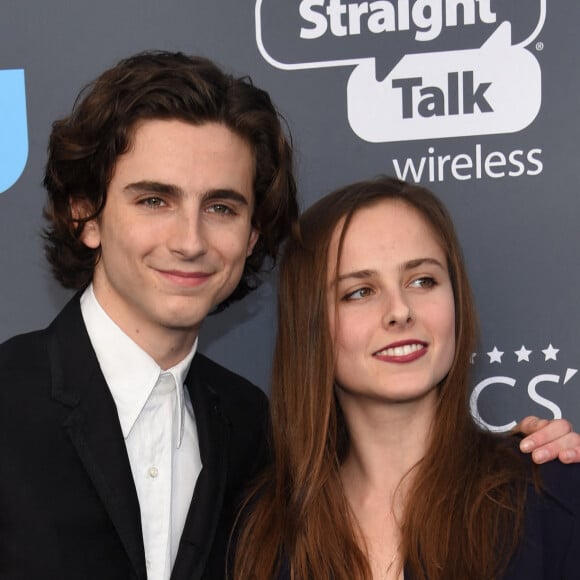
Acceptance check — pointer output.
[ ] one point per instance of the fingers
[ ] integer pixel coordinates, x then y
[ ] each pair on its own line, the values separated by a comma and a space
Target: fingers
548, 440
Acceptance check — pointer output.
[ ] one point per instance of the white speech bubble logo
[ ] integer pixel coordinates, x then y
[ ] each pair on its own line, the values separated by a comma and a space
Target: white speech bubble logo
490, 90
13, 127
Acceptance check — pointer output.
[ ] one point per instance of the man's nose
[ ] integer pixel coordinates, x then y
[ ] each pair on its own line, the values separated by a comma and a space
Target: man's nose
188, 236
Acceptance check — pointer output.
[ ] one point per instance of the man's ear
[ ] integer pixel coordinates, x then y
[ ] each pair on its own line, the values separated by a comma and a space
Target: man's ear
254, 236
91, 233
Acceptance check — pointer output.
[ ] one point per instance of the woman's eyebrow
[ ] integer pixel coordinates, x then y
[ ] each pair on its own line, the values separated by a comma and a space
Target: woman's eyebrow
357, 274
412, 264
409, 265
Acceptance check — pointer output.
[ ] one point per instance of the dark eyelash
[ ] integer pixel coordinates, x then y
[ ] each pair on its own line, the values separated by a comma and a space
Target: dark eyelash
429, 279
349, 296
149, 201
223, 208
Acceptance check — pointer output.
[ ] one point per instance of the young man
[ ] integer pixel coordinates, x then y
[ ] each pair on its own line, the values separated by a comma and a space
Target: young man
169, 185
124, 452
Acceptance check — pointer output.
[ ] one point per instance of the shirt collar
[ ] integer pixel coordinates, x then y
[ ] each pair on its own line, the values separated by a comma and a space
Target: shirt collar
131, 374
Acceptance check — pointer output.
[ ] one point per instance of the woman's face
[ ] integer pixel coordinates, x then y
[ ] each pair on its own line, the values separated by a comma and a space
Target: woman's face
391, 312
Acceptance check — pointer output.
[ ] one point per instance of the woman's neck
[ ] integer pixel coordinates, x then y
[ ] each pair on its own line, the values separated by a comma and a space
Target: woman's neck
385, 442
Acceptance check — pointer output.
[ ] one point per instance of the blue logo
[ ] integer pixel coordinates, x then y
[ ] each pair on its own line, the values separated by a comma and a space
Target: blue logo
13, 127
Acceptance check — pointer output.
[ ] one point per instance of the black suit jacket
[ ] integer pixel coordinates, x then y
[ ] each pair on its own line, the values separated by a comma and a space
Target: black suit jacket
68, 505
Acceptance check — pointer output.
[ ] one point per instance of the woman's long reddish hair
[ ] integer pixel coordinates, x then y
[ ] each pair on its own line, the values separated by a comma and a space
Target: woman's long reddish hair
465, 506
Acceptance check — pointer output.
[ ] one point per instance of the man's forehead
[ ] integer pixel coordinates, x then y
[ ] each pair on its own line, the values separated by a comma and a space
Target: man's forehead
187, 157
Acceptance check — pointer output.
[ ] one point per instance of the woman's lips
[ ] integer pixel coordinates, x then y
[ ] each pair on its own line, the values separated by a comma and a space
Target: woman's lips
402, 351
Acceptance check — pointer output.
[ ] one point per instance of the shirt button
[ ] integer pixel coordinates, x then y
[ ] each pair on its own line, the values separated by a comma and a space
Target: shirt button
153, 472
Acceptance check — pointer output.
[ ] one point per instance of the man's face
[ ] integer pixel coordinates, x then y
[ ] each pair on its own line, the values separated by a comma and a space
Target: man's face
175, 230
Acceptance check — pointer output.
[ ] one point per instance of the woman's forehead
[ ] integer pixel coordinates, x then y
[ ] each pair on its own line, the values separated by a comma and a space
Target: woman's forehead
389, 227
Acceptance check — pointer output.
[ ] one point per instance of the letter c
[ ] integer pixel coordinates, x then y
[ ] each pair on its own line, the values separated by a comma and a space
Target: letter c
475, 396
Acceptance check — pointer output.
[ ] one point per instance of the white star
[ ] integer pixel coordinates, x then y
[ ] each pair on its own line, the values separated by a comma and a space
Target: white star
495, 355
551, 352
472, 358
523, 354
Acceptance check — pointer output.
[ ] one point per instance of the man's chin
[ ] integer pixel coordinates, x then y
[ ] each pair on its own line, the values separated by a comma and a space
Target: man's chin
184, 320
180, 314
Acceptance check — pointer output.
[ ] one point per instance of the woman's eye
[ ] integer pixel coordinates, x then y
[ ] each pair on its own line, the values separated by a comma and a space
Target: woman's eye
424, 282
358, 294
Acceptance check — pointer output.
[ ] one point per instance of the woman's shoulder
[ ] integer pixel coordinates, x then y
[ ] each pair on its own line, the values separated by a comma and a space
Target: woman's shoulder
550, 544
553, 480
561, 483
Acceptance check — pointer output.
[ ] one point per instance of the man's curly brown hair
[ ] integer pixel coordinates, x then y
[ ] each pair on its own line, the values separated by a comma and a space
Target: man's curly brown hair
85, 145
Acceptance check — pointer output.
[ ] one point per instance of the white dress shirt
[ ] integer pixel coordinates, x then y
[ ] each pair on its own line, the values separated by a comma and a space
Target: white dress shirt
158, 425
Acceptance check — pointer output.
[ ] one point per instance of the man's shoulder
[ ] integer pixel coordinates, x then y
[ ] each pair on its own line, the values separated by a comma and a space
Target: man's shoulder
240, 399
33, 345
223, 380
25, 371
28, 356
23, 349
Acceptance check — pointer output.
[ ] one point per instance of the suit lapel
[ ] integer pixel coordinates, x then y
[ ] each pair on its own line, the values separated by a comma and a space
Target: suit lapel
93, 427
206, 506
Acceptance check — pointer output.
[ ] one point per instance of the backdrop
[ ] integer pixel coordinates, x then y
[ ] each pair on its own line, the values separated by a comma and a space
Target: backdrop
477, 99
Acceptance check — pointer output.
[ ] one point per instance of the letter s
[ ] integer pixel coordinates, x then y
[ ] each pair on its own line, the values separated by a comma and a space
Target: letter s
310, 15
535, 161
543, 402
517, 164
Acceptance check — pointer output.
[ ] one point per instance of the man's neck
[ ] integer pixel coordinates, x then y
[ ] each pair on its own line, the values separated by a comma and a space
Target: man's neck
166, 346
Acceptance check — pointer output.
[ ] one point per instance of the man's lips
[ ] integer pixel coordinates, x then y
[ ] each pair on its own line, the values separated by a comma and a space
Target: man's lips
402, 351
188, 279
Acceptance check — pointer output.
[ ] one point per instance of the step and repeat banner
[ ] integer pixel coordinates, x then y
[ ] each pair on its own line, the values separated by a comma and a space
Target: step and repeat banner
479, 100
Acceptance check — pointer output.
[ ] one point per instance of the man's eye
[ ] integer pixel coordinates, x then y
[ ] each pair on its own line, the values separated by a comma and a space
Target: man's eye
221, 208
152, 202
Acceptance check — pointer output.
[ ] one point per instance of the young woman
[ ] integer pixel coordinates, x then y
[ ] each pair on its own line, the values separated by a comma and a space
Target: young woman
379, 471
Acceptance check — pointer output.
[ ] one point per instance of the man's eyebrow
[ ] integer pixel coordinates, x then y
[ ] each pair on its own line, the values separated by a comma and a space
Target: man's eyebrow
225, 194
153, 187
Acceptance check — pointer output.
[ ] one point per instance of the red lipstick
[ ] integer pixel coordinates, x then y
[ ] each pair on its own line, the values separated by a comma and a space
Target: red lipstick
403, 351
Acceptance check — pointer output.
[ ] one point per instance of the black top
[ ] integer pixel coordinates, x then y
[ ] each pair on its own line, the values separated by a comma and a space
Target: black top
550, 546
